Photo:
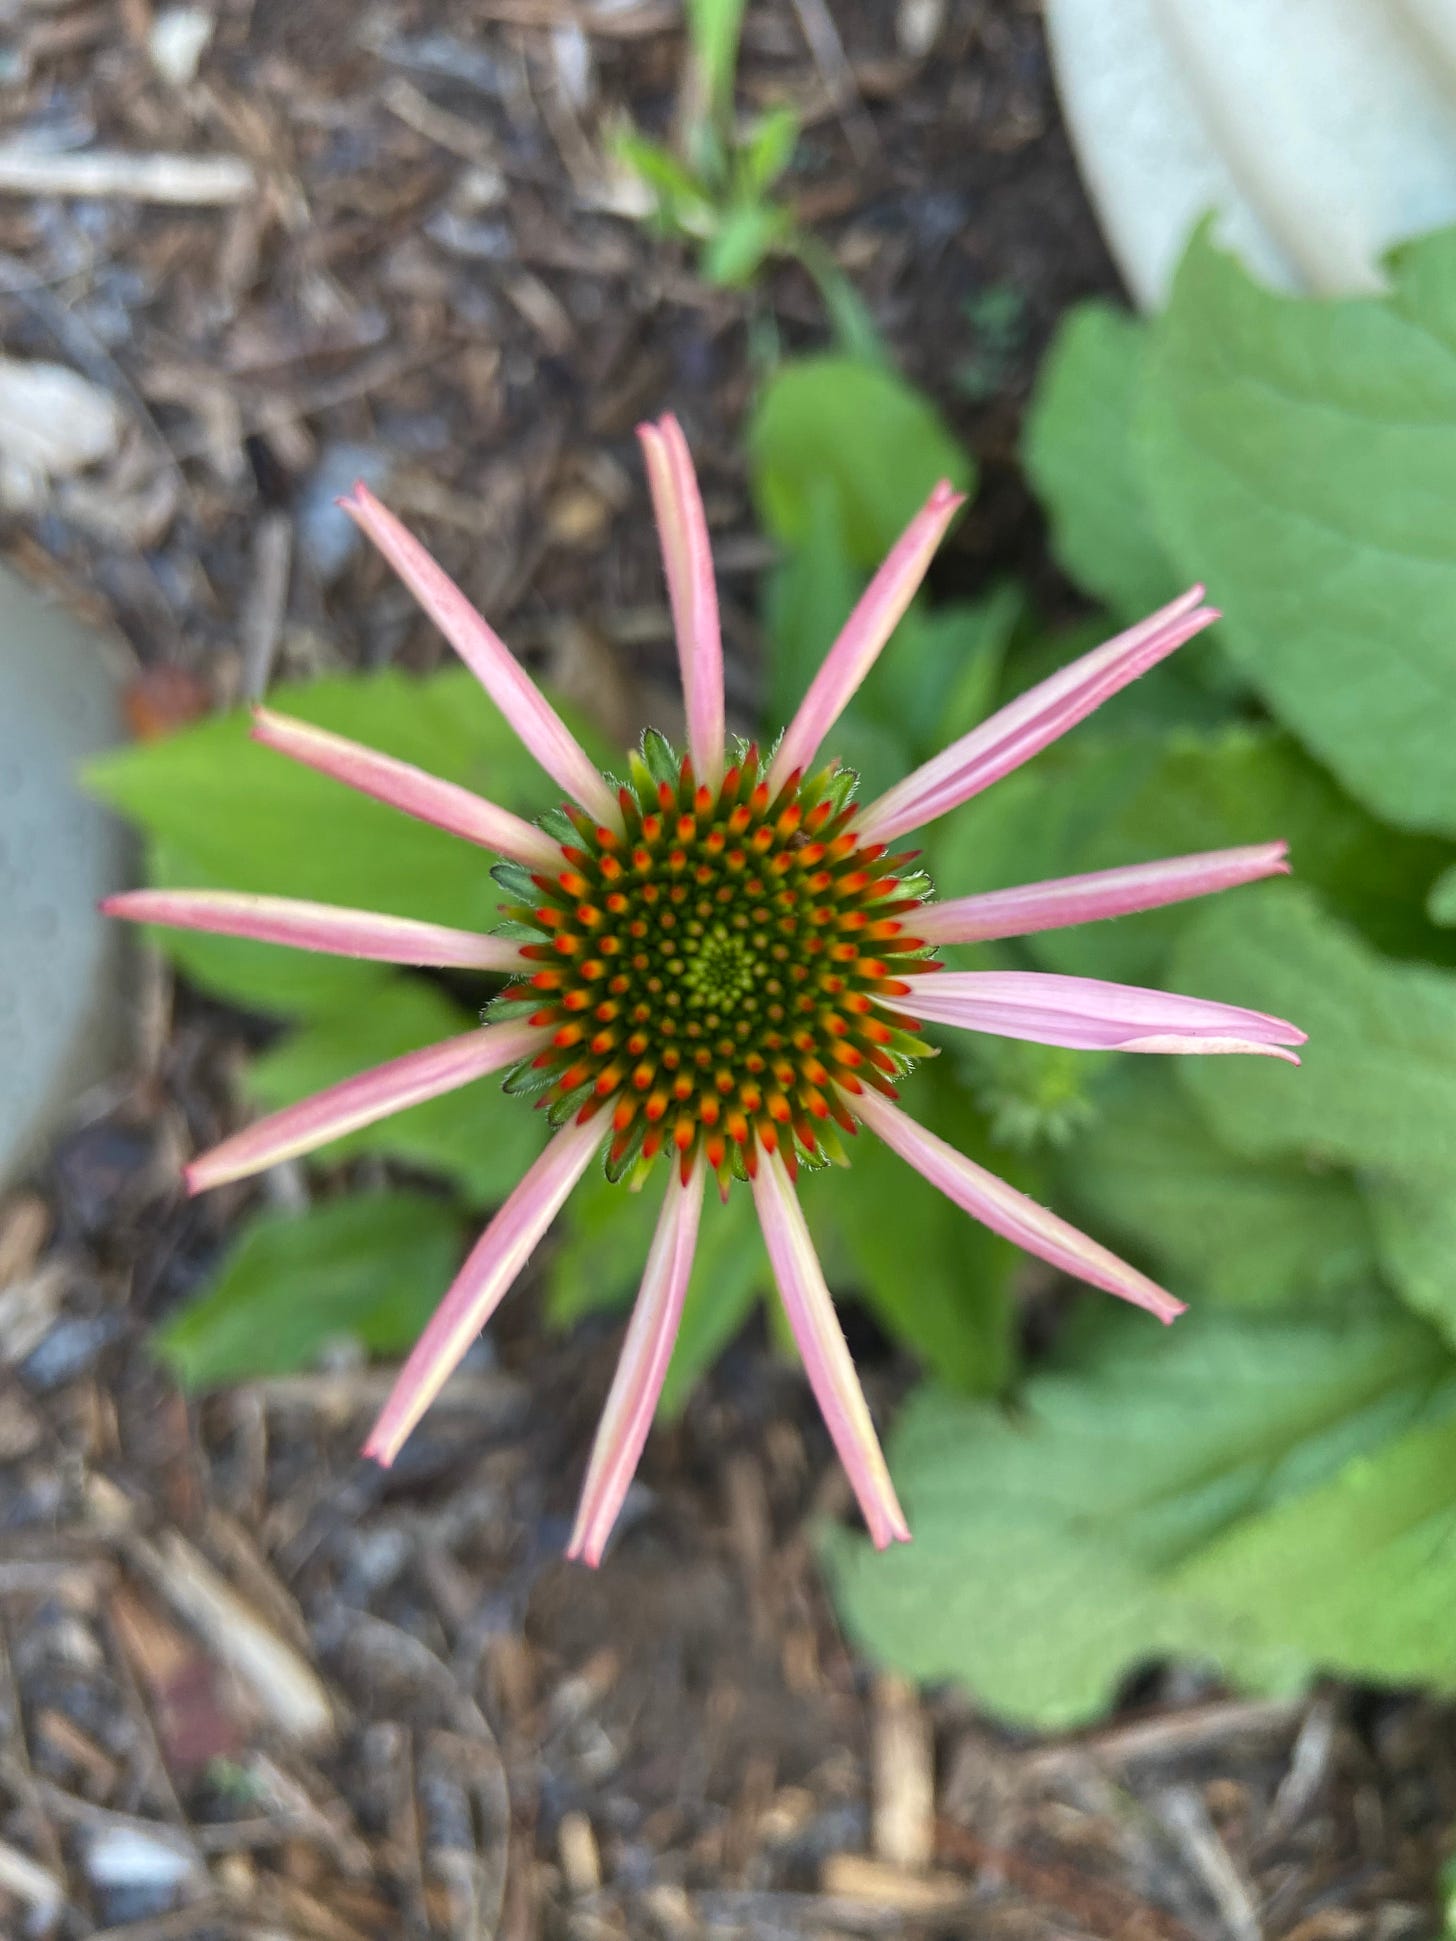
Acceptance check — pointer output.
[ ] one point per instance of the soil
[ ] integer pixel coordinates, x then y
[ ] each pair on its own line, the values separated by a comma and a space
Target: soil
249, 1685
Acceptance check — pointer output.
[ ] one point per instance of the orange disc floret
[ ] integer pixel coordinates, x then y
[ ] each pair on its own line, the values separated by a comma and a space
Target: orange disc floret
728, 1006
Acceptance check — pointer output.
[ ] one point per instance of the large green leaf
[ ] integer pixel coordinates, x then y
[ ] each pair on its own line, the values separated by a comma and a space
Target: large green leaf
371, 1267
1057, 1548
836, 424
1377, 1087
476, 1136
1301, 458
244, 817
1415, 1227
1258, 1232
1361, 1572
1098, 802
1079, 453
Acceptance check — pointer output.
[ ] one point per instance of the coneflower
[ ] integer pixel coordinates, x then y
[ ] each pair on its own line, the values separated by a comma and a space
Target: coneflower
719, 967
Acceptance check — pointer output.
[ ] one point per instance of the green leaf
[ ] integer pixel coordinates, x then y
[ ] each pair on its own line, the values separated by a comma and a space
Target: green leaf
1301, 457
1260, 1233
1377, 1087
858, 431
1097, 803
1079, 453
371, 1266
476, 1136
246, 818
714, 27
1415, 1227
1055, 1549
743, 235
1441, 904
1362, 1571
682, 202
767, 152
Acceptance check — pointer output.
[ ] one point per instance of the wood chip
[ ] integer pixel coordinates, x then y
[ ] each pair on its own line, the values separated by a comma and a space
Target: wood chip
281, 1683
186, 181
28, 1881
855, 1877
581, 1861
903, 1826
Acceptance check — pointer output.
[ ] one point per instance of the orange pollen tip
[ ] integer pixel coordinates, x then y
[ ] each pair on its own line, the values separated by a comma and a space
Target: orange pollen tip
623, 1113
683, 1134
656, 1106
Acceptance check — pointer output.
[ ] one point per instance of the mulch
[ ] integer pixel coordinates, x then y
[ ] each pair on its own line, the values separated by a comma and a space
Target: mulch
253, 1687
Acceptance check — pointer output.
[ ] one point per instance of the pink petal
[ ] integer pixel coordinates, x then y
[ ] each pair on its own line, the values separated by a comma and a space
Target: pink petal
517, 696
1102, 893
688, 563
409, 789
646, 1353
1007, 1212
1030, 722
316, 926
826, 1357
874, 619
494, 1263
361, 1100
1089, 1015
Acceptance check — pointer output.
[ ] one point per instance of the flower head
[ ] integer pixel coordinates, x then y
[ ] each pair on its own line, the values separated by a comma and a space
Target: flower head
720, 967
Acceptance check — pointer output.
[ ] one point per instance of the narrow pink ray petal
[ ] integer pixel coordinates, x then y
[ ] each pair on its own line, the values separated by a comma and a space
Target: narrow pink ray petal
1029, 723
1007, 1212
826, 1357
409, 789
646, 1353
316, 926
1101, 893
494, 1263
875, 618
507, 683
687, 561
1089, 1015
361, 1100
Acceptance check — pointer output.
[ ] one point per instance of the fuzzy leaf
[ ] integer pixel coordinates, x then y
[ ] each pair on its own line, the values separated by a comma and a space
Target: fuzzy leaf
1150, 1175
1415, 1227
1377, 1087
1079, 452
1361, 1571
1301, 458
1058, 1548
